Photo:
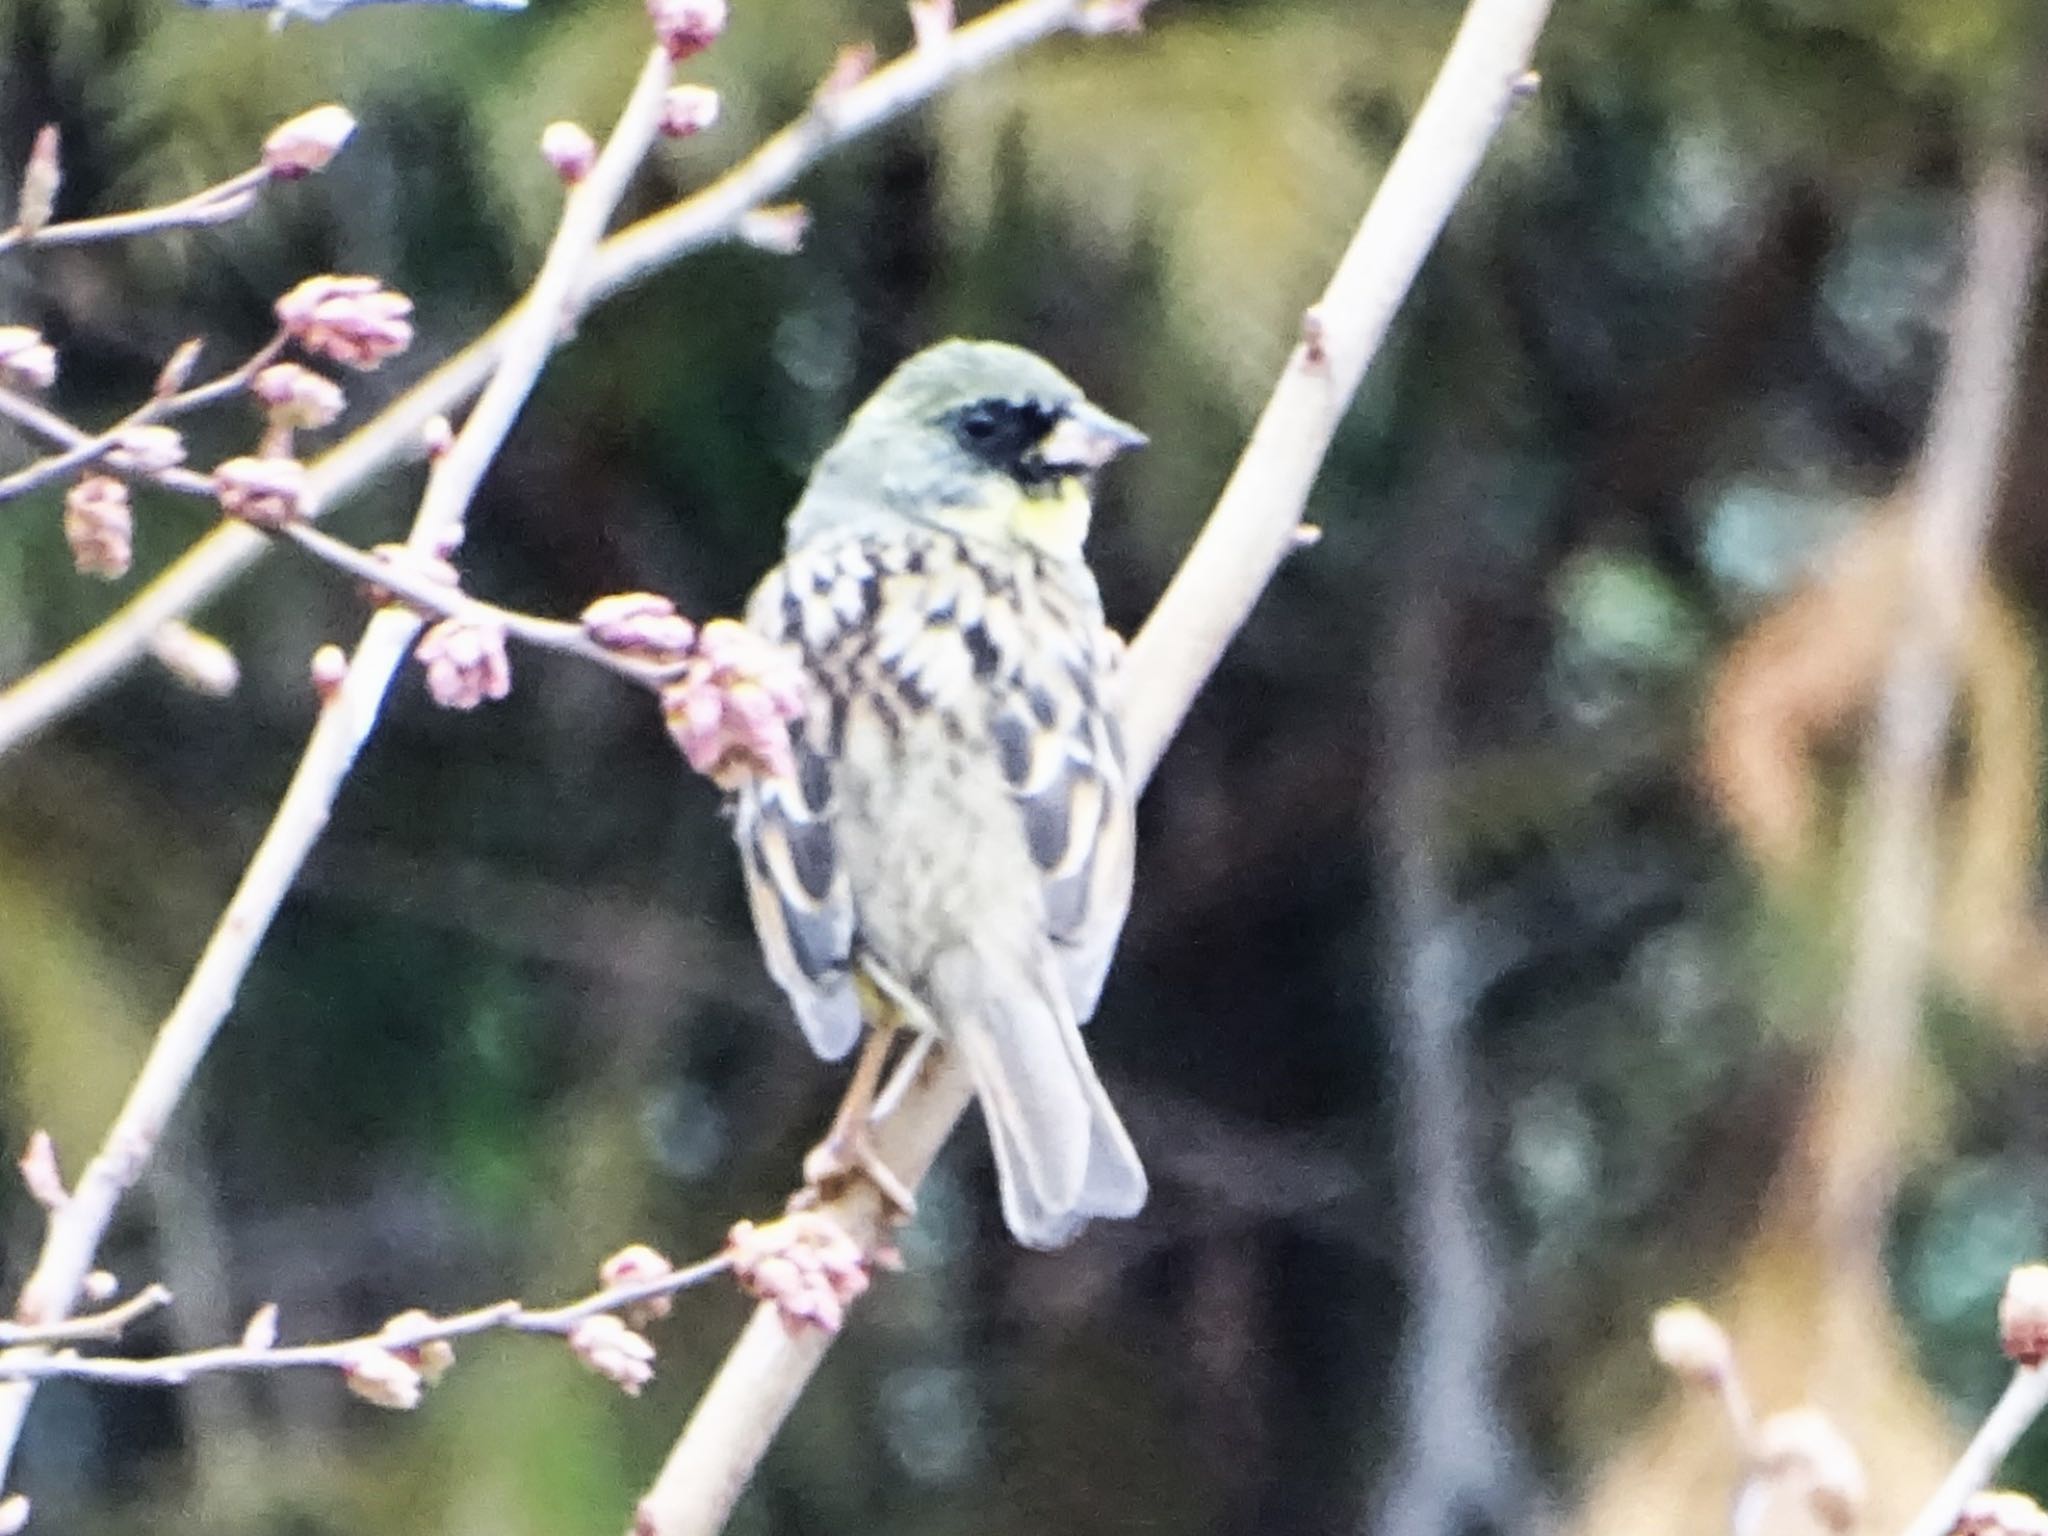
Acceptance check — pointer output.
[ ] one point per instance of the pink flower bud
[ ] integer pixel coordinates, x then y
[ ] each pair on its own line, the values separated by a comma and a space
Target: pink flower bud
432, 1358
40, 1175
931, 23
379, 1376
99, 526
730, 709
354, 321
778, 229
328, 670
685, 27
266, 493
851, 65
177, 369
1802, 1450
26, 360
637, 1265
298, 397
307, 143
806, 1265
14, 1512
466, 663
687, 110
2000, 1512
642, 624
570, 149
1691, 1345
2023, 1315
147, 450
195, 659
614, 1351
436, 437
40, 179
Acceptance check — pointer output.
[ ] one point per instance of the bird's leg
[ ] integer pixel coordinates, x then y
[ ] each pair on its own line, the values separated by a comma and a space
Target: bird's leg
849, 1148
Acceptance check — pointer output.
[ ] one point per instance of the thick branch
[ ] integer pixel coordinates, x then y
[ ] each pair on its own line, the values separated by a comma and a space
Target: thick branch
1250, 530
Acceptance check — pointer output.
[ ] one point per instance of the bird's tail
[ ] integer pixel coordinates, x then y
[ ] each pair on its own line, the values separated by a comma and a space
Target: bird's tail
1062, 1155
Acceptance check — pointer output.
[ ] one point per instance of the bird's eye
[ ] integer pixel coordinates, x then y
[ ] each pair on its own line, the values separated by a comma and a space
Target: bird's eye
979, 423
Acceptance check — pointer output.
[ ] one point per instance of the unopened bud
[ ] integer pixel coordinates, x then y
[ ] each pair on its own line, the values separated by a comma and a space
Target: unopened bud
1691, 1345
260, 1332
329, 670
40, 1175
465, 662
432, 1358
687, 110
685, 27
614, 1351
307, 143
40, 179
177, 369
1804, 1452
298, 397
570, 149
195, 659
355, 321
1099, 17
2023, 1315
268, 493
26, 360
637, 1265
2000, 1512
379, 1376
779, 228
851, 65
99, 527
147, 450
642, 624
14, 1512
931, 23
100, 1285
436, 436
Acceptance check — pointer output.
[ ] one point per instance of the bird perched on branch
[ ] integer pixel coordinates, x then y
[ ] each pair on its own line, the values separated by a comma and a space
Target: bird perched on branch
952, 851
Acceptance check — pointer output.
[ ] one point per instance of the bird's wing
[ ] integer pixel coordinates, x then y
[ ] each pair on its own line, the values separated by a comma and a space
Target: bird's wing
802, 904
1062, 755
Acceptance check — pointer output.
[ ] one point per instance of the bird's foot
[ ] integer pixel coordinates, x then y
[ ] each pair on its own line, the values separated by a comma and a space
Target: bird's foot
849, 1153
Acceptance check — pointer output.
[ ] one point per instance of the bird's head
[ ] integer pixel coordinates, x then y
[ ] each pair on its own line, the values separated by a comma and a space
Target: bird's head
977, 437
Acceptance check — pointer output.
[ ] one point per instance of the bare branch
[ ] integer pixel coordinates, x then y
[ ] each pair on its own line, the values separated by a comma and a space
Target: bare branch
627, 258
1252, 527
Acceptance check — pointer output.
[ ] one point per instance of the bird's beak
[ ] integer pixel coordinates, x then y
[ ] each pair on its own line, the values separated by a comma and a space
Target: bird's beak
1087, 438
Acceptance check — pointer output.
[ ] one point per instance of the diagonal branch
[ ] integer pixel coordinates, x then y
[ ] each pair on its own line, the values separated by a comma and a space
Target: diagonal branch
1251, 529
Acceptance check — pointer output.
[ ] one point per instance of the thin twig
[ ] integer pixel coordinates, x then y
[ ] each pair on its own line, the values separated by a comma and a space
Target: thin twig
217, 204
437, 599
1250, 530
110, 1324
626, 259
83, 448
502, 1316
2023, 1401
76, 1228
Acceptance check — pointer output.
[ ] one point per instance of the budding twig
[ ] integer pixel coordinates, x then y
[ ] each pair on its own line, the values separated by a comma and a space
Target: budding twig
625, 259
400, 1334
82, 448
110, 1324
2023, 1401
217, 204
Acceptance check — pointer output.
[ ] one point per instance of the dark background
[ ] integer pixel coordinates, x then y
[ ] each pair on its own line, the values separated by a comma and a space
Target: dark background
1547, 700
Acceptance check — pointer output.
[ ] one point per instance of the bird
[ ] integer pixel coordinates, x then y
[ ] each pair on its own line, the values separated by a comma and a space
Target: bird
951, 847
